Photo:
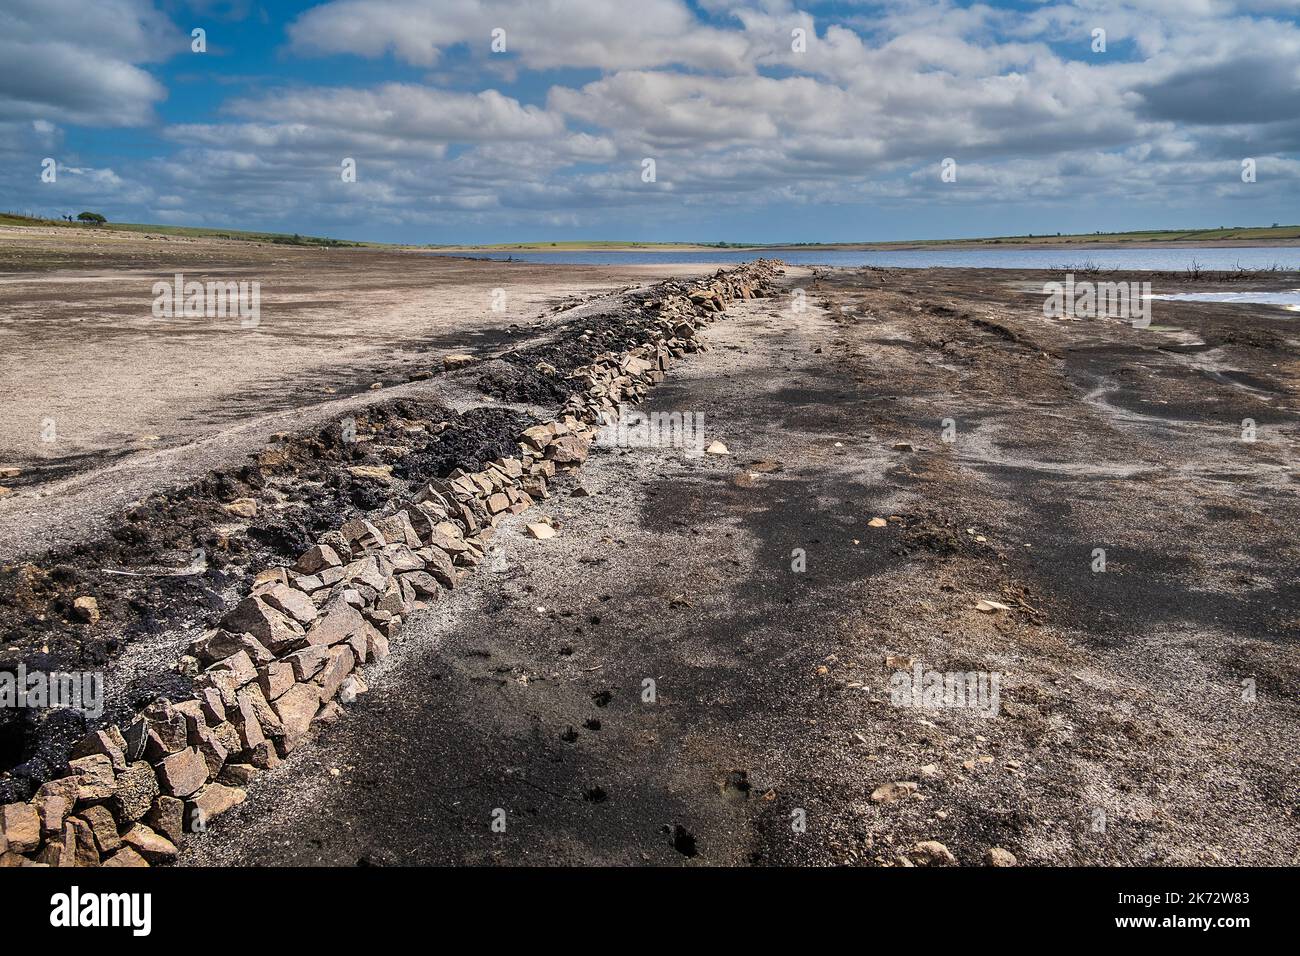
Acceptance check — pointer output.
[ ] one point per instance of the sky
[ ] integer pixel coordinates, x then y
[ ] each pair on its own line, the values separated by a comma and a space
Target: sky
477, 121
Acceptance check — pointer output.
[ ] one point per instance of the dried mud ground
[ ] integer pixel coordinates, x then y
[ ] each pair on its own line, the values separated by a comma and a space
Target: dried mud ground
1148, 712
135, 400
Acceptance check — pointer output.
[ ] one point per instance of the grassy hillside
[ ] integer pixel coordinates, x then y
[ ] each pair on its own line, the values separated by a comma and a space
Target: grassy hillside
14, 219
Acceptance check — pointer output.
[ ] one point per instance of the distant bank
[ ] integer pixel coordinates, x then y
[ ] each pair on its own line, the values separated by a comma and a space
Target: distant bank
1189, 258
1234, 236
1230, 237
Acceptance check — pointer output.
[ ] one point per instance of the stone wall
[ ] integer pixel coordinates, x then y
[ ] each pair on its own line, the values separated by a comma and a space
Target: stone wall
295, 648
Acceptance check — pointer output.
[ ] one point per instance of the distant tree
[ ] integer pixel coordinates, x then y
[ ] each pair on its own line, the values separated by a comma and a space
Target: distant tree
92, 217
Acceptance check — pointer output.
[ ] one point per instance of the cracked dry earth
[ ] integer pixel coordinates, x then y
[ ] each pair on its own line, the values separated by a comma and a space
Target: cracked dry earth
1125, 732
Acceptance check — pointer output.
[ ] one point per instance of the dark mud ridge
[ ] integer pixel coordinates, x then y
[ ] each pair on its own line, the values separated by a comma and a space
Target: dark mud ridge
323, 546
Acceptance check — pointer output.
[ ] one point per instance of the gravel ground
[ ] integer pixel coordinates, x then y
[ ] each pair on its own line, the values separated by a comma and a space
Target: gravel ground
1147, 713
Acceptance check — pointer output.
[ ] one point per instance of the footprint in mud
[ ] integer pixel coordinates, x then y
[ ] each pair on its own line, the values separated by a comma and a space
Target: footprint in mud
602, 698
591, 723
735, 788
683, 840
569, 735
595, 795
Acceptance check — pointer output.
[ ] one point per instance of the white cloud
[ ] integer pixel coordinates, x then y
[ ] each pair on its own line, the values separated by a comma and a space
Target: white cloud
542, 33
405, 112
734, 117
67, 61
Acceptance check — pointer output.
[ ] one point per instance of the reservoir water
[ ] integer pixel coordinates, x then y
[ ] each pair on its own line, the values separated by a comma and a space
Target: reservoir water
1288, 300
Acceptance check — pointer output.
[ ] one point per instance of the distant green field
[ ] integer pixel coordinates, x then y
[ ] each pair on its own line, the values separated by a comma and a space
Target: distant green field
280, 238
14, 219
199, 231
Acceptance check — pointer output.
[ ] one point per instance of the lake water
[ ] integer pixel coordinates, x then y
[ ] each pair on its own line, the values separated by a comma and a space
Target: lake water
1158, 260
1289, 300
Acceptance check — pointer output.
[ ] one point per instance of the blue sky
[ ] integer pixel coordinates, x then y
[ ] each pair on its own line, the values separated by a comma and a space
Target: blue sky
754, 135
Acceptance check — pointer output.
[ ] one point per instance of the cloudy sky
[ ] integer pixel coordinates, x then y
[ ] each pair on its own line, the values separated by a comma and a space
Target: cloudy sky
758, 132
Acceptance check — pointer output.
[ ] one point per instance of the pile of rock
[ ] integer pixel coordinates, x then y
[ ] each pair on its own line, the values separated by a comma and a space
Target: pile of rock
627, 378
296, 646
